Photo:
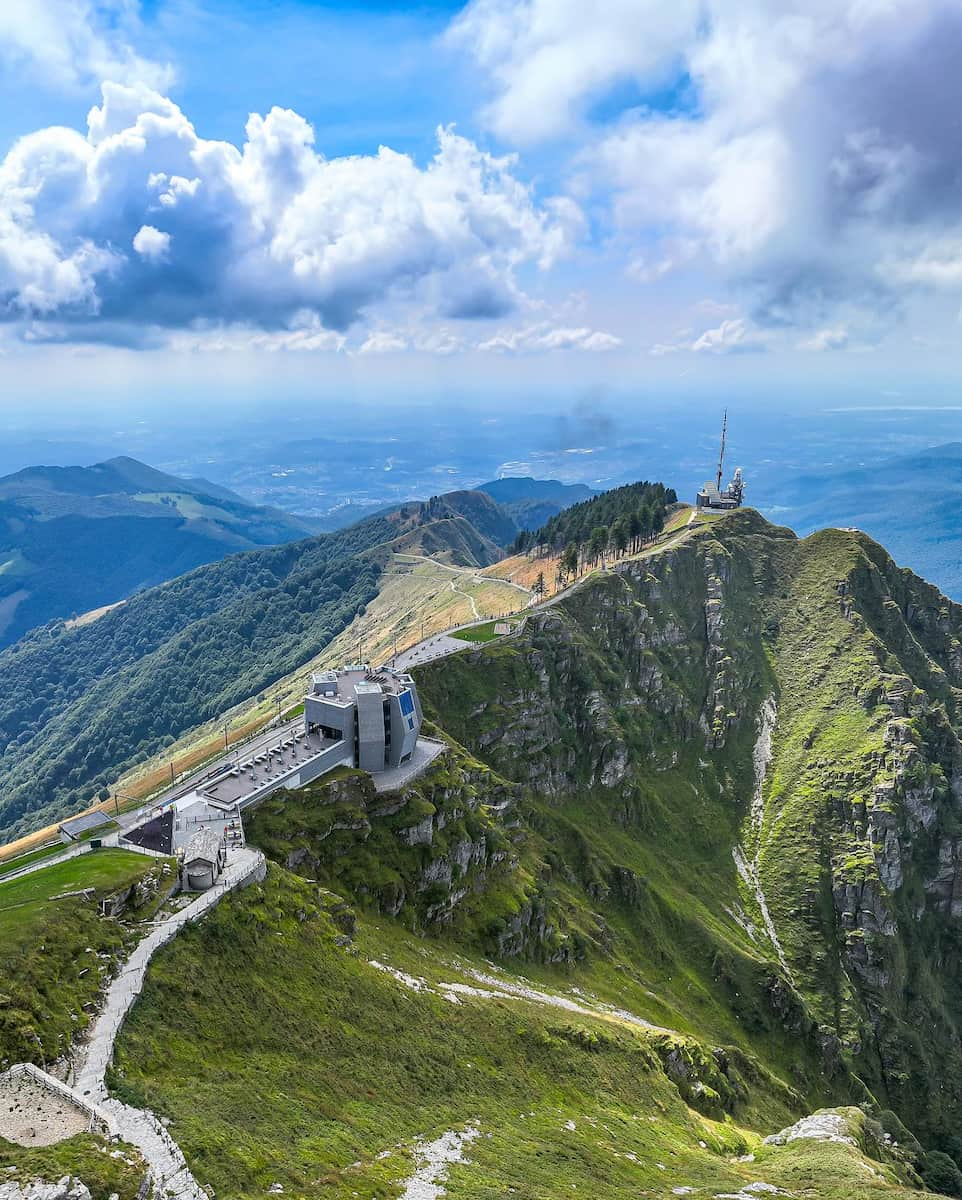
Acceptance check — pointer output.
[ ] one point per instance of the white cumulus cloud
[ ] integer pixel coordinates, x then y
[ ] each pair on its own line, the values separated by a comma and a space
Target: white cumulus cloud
836, 338
544, 337
805, 152
382, 341
150, 242
549, 58
75, 43
733, 336
257, 234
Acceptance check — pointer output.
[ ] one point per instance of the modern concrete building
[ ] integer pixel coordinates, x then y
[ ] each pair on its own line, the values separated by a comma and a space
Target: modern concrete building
354, 717
374, 715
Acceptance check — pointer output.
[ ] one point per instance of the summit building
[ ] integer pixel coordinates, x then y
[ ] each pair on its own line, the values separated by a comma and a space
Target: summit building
375, 716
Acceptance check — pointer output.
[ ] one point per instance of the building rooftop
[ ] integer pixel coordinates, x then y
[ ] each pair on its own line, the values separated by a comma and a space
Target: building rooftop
205, 844
248, 775
350, 681
77, 826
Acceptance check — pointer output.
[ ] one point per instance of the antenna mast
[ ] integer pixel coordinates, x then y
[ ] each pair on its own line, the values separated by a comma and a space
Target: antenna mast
721, 453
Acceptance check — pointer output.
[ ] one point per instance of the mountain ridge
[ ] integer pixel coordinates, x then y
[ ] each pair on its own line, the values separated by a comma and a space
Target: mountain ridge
73, 539
533, 502
709, 800
651, 801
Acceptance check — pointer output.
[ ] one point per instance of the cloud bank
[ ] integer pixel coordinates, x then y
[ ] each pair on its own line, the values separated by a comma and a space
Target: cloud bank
805, 151
143, 224
75, 43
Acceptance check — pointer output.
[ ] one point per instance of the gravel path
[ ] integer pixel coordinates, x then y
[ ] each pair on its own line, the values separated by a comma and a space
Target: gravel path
139, 1127
95, 1057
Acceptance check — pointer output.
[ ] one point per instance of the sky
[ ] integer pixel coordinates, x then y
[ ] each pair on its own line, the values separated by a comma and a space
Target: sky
502, 198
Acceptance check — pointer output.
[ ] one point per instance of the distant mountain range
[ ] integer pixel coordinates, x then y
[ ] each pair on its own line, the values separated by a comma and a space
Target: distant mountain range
76, 539
73, 539
911, 504
531, 503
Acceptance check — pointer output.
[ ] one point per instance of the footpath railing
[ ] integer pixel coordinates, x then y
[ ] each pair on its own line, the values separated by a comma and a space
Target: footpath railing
95, 1117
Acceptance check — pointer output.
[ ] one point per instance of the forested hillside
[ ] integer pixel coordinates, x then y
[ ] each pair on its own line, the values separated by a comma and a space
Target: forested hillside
78, 703
619, 517
74, 539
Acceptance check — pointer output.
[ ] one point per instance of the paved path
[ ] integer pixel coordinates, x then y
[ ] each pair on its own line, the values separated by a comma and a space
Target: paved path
440, 645
170, 1174
243, 865
169, 1170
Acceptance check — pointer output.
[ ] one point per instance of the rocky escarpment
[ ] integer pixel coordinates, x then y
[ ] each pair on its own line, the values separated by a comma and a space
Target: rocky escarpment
66, 1188
630, 712
860, 850
660, 654
447, 850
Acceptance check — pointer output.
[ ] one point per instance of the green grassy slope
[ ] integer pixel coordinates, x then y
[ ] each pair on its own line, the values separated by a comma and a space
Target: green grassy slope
104, 1169
297, 1062
56, 953
632, 710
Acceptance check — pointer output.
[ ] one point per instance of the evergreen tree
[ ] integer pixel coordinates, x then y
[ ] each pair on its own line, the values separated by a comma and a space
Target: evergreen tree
598, 543
634, 529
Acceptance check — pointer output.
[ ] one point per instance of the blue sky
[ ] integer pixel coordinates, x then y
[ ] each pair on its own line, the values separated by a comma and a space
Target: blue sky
716, 194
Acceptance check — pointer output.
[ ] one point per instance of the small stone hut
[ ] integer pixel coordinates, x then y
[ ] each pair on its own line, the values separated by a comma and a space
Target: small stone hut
202, 860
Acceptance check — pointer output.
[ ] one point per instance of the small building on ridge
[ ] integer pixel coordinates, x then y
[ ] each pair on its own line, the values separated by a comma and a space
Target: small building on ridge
202, 860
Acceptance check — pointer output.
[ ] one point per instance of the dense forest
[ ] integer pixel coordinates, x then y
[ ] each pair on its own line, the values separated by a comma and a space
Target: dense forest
616, 522
78, 704
74, 539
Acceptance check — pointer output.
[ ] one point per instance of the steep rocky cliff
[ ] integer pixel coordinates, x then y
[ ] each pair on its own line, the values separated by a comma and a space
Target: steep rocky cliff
447, 851
743, 779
